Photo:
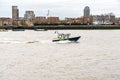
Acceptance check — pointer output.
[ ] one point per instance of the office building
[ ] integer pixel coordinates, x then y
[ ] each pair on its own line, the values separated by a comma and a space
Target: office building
15, 13
29, 15
86, 11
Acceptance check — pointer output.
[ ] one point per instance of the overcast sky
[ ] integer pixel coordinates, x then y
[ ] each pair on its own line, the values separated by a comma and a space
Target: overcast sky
60, 8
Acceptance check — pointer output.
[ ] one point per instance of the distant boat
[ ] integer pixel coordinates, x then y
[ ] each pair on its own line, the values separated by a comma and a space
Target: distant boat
18, 29
40, 29
65, 37
3, 30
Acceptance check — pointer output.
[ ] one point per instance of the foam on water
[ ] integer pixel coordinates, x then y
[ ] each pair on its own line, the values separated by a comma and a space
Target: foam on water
24, 41
45, 41
9, 41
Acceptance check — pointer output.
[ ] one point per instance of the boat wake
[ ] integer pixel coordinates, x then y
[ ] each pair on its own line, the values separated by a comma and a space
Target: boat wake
40, 41
10, 42
32, 42
45, 41
24, 41
16, 42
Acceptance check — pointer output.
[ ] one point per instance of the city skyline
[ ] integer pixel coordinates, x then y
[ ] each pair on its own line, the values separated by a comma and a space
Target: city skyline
60, 8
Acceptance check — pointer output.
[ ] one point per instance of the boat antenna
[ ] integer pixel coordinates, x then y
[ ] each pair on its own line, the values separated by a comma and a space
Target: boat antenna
48, 13
57, 32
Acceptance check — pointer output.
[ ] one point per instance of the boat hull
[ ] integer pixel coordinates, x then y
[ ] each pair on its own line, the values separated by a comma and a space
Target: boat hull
73, 39
18, 29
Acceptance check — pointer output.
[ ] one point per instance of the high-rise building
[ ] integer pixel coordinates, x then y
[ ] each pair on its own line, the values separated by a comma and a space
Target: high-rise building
86, 11
15, 13
29, 15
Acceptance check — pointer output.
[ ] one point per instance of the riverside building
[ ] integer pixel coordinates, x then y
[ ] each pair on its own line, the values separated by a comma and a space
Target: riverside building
29, 15
40, 20
53, 20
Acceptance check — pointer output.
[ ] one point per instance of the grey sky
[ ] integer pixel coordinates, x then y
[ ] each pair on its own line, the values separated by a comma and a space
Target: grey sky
61, 8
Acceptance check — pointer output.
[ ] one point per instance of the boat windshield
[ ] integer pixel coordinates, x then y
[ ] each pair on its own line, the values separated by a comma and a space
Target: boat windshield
63, 36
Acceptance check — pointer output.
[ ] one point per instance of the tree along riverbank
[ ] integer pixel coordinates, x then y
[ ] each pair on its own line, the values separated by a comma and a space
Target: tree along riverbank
67, 27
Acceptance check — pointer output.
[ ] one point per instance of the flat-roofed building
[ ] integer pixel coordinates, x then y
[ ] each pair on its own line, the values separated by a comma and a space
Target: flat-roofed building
22, 23
104, 19
53, 20
117, 21
88, 20
81, 20
6, 21
15, 13
69, 20
29, 15
0, 22
40, 20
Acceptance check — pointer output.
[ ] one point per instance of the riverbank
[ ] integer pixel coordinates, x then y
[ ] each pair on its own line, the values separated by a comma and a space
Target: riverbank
65, 27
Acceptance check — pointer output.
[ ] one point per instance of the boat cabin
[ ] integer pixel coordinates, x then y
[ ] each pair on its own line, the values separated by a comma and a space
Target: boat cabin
63, 36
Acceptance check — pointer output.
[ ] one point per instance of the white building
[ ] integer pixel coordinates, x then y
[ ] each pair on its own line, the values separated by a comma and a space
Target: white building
104, 19
29, 15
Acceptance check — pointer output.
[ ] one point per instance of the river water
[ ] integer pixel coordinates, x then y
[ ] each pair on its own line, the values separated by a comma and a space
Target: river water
31, 55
